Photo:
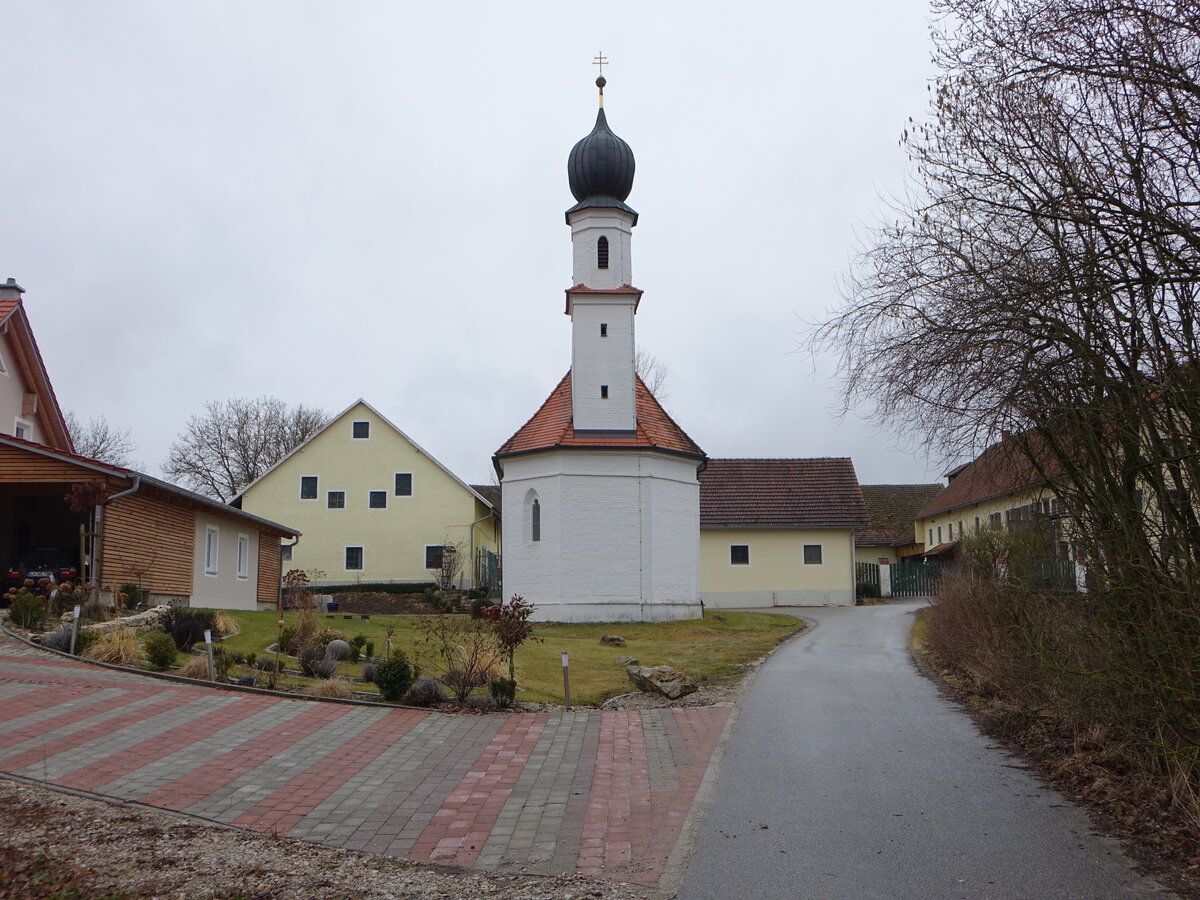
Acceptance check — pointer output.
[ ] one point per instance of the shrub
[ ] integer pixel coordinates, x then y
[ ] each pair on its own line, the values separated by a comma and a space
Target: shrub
59, 639
503, 691
307, 625
187, 626
369, 650
477, 593
511, 627
84, 639
196, 667
287, 640
464, 648
251, 658
130, 595
313, 662
224, 624
435, 599
332, 687
478, 605
426, 692
322, 636
28, 611
266, 664
94, 611
356, 646
368, 672
119, 647
160, 650
410, 587
868, 589
393, 677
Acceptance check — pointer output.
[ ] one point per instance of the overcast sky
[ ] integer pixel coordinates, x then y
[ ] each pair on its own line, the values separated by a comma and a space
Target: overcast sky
322, 201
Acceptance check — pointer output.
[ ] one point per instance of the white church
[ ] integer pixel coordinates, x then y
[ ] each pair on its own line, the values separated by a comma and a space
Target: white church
600, 487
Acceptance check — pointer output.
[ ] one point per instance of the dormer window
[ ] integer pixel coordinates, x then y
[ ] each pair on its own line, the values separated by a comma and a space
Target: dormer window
602, 253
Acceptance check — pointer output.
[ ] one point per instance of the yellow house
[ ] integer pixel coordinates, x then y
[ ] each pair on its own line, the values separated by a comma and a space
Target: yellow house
375, 507
999, 487
778, 532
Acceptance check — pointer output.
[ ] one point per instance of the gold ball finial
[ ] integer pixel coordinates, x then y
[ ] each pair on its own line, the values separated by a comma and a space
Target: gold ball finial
601, 82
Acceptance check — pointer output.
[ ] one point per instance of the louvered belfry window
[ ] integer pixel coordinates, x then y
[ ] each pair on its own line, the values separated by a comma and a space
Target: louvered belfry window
602, 253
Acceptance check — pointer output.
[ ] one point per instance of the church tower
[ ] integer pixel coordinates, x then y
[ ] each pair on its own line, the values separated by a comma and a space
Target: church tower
600, 489
602, 303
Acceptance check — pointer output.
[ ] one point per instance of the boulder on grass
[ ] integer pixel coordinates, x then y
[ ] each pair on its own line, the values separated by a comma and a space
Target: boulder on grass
613, 640
627, 660
671, 683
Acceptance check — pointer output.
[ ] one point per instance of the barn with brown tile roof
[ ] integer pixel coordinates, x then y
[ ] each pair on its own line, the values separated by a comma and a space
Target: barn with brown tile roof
779, 532
892, 508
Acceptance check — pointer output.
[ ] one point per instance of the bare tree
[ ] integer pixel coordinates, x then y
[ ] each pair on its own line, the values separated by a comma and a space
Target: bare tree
653, 373
1041, 282
100, 440
236, 441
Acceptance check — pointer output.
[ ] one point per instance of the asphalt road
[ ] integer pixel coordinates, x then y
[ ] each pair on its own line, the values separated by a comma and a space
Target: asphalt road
848, 775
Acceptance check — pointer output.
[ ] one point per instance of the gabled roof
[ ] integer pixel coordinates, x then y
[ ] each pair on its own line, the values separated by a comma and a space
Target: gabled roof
781, 493
1003, 468
891, 509
386, 421
551, 428
150, 481
15, 323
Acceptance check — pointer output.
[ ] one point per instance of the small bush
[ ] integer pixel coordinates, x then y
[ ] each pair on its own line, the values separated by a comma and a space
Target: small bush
196, 667
393, 677
368, 672
287, 639
477, 593
59, 639
868, 589
28, 611
266, 664
322, 636
332, 687
369, 650
478, 605
119, 647
84, 639
356, 646
224, 624
426, 692
187, 626
503, 691
435, 599
251, 658
160, 650
313, 662
130, 596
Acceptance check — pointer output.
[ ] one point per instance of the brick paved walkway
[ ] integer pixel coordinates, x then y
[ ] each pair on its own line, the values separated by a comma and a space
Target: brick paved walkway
602, 793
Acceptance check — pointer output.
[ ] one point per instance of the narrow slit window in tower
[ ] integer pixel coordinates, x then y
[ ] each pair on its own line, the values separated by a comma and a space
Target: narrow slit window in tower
602, 253
604, 392
603, 329
535, 521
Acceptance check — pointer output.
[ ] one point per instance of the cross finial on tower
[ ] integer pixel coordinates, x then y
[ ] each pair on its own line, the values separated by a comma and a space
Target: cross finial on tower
601, 60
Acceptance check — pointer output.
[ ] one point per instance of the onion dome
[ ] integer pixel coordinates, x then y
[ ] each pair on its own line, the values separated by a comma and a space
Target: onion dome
600, 167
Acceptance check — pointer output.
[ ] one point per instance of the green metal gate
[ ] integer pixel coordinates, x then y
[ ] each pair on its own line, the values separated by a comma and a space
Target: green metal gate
914, 579
866, 576
487, 570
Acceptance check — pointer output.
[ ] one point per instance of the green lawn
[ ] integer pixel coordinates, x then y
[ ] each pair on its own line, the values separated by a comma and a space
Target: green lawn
707, 648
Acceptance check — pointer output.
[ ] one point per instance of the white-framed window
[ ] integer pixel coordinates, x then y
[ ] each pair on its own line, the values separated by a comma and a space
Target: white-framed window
212, 544
434, 553
739, 554
3, 365
308, 487
243, 568
404, 484
360, 431
354, 559
939, 528
377, 500
23, 429
813, 554
335, 500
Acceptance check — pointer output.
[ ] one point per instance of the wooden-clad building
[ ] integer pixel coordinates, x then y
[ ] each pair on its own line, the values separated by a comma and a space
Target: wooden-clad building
130, 528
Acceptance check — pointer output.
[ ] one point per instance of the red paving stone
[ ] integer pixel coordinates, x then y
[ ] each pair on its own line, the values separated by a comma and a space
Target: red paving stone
216, 773
458, 831
97, 774
66, 742
284, 809
627, 831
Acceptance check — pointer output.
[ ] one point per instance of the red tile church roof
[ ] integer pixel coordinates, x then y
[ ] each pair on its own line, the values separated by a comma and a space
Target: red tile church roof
551, 428
781, 493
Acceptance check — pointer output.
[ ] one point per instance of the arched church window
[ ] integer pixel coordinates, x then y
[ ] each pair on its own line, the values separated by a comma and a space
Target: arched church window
602, 253
535, 521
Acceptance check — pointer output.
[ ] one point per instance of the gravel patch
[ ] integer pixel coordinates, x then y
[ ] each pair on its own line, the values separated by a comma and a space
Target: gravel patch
130, 851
